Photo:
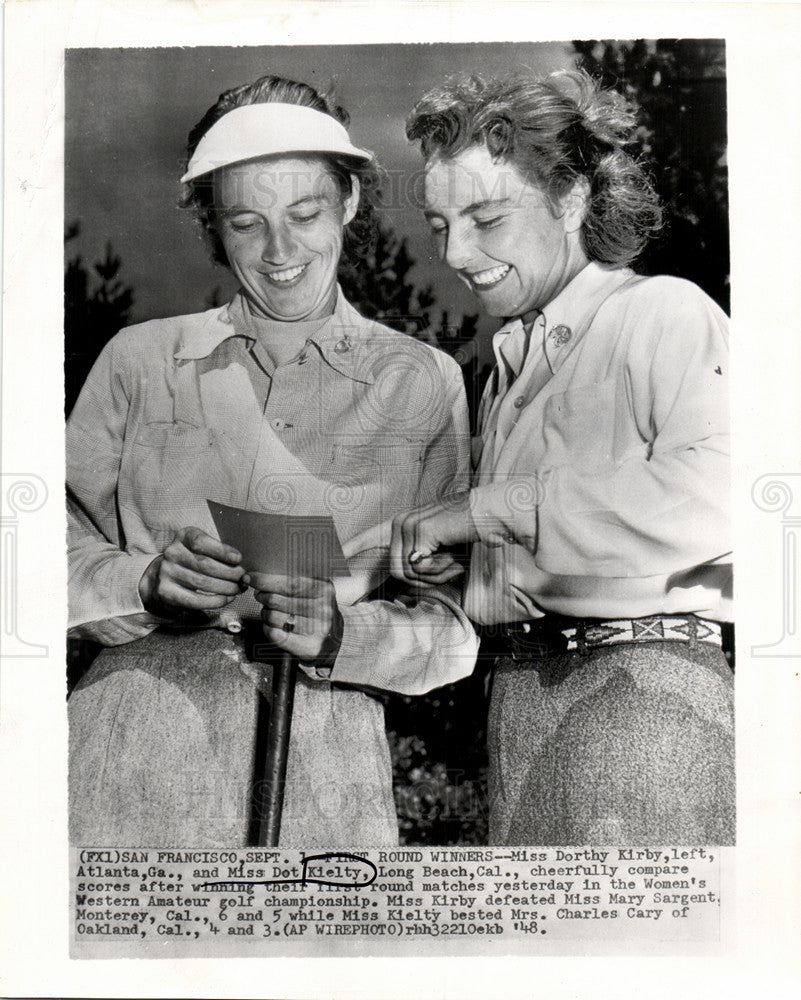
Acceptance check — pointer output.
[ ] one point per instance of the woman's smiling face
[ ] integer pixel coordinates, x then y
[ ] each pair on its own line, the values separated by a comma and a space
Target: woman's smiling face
499, 232
280, 220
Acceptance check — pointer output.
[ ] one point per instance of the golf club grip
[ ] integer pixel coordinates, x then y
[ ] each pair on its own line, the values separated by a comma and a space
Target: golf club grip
277, 748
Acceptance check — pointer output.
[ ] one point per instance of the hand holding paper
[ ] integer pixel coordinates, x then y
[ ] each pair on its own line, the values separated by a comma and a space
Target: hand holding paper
301, 616
281, 544
290, 561
196, 572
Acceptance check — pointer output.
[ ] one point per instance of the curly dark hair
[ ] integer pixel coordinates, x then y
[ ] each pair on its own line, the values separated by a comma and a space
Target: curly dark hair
360, 233
554, 130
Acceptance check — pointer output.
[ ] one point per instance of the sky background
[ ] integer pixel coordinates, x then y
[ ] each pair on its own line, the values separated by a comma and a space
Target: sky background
128, 112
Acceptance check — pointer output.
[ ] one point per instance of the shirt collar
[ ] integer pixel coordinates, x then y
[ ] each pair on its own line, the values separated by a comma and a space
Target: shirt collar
343, 341
347, 342
566, 318
199, 340
510, 345
564, 321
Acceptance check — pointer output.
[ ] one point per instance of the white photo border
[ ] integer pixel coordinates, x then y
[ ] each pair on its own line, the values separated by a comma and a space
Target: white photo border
761, 932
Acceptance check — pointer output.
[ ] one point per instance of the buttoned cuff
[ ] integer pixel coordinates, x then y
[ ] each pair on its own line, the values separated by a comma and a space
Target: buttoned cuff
119, 616
358, 661
117, 631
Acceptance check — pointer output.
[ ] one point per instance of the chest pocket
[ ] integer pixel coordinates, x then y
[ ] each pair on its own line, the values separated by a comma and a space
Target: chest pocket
173, 436
175, 463
369, 458
579, 427
380, 477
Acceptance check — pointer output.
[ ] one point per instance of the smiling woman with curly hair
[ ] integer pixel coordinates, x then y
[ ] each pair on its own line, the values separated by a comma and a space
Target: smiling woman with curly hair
598, 513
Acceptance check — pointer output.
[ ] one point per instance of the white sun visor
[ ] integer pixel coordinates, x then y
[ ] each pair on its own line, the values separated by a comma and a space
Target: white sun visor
256, 130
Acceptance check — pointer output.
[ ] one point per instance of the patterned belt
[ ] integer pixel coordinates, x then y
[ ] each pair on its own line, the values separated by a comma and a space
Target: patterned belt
555, 635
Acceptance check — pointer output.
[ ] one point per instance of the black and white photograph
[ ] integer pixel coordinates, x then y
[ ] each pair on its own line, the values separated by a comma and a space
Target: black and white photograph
408, 441
563, 682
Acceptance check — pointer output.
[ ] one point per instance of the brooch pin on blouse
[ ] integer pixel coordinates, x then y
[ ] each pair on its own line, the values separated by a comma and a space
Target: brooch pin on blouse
561, 334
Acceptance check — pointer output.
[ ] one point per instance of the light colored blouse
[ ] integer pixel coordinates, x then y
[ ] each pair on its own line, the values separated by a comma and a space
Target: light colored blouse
602, 470
363, 423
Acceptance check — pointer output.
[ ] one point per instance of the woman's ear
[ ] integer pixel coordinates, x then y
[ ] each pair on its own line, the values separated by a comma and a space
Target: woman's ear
351, 202
575, 204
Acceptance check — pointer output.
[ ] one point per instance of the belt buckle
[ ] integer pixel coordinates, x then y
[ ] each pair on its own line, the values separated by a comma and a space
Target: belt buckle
527, 644
540, 650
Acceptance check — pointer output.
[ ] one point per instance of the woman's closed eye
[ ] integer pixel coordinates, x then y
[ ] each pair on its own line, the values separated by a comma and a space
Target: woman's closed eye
306, 217
244, 223
488, 223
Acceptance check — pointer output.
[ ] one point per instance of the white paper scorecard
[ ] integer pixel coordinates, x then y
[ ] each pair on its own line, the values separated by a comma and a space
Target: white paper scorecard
285, 544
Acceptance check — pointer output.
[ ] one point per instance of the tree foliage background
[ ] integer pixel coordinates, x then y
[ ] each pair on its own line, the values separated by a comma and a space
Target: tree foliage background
680, 87
438, 741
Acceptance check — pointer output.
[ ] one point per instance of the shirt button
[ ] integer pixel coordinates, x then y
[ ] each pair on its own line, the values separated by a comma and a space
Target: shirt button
519, 402
341, 346
234, 626
278, 424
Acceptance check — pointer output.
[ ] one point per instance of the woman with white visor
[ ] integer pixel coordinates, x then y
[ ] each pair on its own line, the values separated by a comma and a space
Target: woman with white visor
285, 400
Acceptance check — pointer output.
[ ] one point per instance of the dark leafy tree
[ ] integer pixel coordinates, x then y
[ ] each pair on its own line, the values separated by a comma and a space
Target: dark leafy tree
439, 763
680, 87
380, 287
96, 305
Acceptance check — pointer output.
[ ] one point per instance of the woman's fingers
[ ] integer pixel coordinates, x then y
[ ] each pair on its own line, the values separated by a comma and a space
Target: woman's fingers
419, 537
414, 555
300, 615
199, 552
413, 549
203, 544
396, 548
404, 545
172, 594
195, 581
437, 569
195, 571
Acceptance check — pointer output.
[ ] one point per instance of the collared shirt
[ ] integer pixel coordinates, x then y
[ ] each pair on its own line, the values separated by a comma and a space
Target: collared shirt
363, 423
601, 482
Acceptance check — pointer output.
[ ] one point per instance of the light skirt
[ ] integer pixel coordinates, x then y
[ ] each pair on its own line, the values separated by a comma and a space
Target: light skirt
629, 744
162, 735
